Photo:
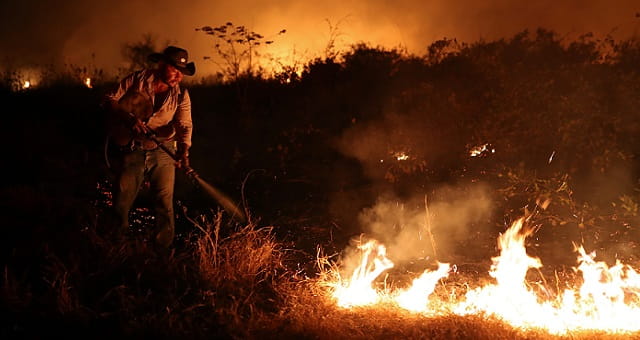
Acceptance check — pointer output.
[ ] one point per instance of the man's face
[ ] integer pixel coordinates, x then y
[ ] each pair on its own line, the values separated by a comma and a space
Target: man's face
170, 75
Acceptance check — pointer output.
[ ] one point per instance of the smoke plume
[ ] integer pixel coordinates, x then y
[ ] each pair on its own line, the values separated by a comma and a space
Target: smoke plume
410, 233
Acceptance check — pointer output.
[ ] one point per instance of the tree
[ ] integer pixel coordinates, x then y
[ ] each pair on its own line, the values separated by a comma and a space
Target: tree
237, 46
137, 53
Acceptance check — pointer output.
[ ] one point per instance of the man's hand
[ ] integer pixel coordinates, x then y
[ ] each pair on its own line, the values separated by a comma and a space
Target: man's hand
139, 127
182, 155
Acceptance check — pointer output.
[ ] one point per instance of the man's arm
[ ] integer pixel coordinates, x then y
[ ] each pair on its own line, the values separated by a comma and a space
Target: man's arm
184, 128
112, 98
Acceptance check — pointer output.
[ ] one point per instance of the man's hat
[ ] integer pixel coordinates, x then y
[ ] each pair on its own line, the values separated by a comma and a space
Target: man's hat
177, 57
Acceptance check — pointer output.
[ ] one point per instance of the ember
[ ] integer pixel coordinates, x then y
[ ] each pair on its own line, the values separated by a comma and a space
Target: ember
481, 150
401, 156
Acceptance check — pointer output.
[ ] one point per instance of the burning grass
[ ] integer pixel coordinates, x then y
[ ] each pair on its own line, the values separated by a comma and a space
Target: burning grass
312, 313
600, 303
237, 282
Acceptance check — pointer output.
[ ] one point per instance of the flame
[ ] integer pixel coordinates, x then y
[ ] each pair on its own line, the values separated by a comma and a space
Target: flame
598, 304
510, 298
416, 297
401, 156
605, 299
609, 298
359, 291
27, 78
373, 262
87, 83
481, 149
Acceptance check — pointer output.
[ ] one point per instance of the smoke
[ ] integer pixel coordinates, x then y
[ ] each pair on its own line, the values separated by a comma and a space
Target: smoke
390, 150
402, 144
410, 233
83, 32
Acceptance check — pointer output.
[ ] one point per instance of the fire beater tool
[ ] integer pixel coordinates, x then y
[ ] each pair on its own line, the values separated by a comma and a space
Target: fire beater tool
216, 194
139, 106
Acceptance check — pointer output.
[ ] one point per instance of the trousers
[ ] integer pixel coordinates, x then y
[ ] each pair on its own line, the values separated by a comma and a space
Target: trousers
131, 170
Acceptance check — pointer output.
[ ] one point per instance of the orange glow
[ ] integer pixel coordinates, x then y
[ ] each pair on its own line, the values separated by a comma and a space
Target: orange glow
481, 149
87, 82
605, 299
401, 156
26, 85
597, 304
358, 291
416, 297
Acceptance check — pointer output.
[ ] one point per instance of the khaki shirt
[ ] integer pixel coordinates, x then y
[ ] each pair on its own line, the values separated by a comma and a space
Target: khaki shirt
174, 113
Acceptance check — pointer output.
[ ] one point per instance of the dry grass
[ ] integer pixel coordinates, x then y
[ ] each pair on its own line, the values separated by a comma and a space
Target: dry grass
243, 273
311, 314
227, 281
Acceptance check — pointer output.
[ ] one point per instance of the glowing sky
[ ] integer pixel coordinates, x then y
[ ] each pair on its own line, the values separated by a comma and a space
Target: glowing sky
71, 31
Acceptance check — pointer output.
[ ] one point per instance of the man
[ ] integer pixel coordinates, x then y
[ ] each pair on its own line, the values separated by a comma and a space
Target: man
146, 102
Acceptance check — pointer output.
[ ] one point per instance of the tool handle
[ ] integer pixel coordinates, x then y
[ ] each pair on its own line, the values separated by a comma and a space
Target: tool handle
151, 134
226, 202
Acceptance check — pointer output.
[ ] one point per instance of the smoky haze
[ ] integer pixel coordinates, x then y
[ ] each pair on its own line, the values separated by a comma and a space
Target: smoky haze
404, 227
410, 234
92, 33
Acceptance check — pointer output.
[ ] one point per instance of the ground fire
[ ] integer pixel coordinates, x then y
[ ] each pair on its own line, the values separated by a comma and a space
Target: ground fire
607, 298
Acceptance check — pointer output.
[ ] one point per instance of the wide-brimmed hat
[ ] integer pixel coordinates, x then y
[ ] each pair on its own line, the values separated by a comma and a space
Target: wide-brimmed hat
177, 57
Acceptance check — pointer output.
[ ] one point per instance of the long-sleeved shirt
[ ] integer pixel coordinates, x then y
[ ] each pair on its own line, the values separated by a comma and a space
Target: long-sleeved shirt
174, 113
